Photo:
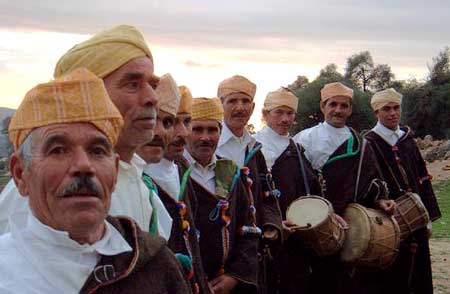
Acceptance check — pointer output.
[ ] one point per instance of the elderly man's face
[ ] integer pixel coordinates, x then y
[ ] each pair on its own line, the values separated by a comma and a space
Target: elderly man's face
202, 142
389, 115
182, 129
337, 110
238, 107
153, 151
131, 88
280, 119
71, 177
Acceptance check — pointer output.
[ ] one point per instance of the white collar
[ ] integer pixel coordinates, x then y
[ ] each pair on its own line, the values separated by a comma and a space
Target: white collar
163, 167
228, 136
273, 144
340, 131
112, 243
388, 135
196, 164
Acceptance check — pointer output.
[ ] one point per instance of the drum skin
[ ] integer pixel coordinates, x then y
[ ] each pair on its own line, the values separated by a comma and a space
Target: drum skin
373, 237
410, 214
316, 224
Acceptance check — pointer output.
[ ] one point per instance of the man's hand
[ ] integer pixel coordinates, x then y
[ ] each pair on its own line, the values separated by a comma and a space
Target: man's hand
223, 284
288, 227
387, 206
341, 221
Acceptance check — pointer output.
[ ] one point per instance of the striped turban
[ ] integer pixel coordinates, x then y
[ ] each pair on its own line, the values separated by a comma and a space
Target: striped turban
207, 109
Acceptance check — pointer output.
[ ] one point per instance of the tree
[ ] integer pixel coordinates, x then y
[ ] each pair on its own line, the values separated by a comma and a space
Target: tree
300, 83
382, 77
440, 68
359, 69
330, 73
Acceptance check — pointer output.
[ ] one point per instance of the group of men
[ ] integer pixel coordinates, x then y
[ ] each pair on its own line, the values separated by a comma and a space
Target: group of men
125, 183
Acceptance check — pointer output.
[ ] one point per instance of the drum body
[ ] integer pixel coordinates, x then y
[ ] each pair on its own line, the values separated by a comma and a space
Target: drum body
372, 239
316, 223
410, 214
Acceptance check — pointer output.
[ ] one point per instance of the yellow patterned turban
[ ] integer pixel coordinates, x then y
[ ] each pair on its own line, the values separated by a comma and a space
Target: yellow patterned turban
382, 98
104, 52
236, 84
186, 100
77, 97
335, 89
168, 94
207, 109
280, 97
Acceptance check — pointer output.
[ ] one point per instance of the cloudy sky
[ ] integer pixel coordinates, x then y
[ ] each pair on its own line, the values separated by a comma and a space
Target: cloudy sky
203, 42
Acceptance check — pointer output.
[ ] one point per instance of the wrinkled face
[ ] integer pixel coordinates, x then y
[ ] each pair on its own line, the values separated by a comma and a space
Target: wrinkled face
389, 115
153, 151
182, 129
131, 88
71, 177
280, 119
202, 142
237, 107
336, 110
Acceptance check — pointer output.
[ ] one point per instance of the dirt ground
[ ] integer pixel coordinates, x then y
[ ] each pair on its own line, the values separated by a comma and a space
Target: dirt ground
440, 248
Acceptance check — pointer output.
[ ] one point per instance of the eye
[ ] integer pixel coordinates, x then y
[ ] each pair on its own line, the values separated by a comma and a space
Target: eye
132, 86
187, 122
57, 150
99, 151
168, 122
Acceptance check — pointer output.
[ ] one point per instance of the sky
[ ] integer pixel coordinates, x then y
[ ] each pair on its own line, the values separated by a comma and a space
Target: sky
203, 42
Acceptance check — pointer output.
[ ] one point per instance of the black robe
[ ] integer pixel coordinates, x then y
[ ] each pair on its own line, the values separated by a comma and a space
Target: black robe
329, 274
292, 262
241, 262
177, 241
395, 278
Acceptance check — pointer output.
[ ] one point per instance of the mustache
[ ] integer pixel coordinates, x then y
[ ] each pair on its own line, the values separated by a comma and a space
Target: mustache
149, 112
179, 142
238, 114
82, 185
157, 141
205, 144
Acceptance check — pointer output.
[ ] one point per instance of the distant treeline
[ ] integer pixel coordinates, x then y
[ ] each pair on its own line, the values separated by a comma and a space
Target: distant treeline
426, 104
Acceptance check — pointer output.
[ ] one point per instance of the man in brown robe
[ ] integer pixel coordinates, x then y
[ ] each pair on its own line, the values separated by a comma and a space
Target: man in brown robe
228, 236
236, 143
293, 179
169, 182
336, 151
404, 171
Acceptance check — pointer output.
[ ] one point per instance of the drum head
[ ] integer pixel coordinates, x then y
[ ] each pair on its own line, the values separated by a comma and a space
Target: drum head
358, 234
308, 211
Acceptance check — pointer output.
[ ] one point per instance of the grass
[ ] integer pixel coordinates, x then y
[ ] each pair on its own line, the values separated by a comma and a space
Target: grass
441, 226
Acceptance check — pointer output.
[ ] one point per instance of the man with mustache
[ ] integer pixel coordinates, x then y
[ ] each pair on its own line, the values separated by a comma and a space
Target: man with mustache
65, 165
404, 171
121, 57
228, 235
236, 143
293, 179
169, 182
335, 151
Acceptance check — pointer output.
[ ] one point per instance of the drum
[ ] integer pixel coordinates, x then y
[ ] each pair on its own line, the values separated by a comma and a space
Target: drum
372, 239
317, 224
410, 214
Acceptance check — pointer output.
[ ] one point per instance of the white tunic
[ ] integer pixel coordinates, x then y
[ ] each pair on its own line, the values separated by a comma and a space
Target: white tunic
390, 136
35, 258
165, 174
321, 141
232, 147
130, 198
206, 176
273, 144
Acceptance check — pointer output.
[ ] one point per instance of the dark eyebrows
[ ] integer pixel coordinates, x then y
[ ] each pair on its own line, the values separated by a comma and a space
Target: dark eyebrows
55, 139
102, 141
130, 76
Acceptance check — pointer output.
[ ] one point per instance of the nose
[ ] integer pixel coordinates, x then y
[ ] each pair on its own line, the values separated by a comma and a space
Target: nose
81, 163
149, 97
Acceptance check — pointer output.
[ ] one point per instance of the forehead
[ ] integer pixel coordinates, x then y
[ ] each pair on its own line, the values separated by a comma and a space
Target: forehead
183, 115
237, 96
164, 114
391, 105
77, 133
339, 100
204, 123
141, 66
283, 108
